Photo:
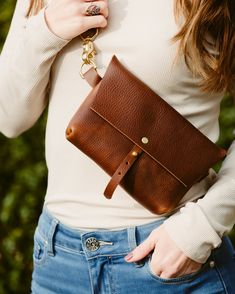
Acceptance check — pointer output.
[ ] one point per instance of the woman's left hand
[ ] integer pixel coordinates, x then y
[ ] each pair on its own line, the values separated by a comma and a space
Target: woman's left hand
167, 261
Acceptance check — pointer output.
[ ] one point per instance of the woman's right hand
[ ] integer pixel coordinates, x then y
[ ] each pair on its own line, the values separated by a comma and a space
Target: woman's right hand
67, 18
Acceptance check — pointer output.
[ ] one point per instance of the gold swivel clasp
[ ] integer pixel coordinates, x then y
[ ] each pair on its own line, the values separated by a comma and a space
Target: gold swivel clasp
89, 52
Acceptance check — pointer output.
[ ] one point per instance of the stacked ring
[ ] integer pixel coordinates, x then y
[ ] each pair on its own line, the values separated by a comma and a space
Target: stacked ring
93, 10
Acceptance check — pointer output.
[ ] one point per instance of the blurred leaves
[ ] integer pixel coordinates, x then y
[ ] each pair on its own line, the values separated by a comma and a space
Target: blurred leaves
23, 183
227, 121
6, 10
22, 189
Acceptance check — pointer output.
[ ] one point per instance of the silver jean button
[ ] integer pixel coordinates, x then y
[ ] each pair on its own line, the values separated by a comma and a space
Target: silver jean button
92, 244
212, 264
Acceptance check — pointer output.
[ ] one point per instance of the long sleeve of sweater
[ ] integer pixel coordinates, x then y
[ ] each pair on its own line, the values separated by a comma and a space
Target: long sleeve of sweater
25, 63
198, 227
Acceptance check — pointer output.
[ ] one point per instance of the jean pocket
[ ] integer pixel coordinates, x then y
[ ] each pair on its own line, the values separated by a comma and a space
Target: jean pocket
39, 248
181, 279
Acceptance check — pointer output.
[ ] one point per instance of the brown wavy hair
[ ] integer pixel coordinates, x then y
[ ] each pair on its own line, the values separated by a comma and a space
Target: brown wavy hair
34, 7
206, 39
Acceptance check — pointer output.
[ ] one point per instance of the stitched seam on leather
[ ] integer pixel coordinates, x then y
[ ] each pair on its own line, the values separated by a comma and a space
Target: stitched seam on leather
140, 147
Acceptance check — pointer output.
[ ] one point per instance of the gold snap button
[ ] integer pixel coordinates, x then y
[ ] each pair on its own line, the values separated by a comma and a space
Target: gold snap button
134, 153
145, 140
212, 263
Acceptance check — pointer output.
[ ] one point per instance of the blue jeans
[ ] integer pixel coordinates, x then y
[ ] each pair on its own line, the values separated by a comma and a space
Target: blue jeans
69, 261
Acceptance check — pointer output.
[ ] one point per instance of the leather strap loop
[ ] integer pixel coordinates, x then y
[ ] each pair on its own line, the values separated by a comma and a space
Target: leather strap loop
92, 77
122, 170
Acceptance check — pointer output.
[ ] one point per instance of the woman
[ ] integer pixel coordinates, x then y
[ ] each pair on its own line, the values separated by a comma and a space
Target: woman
85, 243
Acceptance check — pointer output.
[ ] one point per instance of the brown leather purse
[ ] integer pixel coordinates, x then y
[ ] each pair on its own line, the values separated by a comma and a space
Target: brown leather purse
143, 143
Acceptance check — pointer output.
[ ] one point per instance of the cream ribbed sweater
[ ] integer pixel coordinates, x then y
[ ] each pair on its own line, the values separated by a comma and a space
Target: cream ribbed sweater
32, 56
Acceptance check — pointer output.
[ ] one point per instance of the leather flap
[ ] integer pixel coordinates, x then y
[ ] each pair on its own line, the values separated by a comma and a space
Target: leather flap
138, 113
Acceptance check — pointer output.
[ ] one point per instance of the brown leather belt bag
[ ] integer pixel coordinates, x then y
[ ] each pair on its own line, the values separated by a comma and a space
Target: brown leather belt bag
143, 143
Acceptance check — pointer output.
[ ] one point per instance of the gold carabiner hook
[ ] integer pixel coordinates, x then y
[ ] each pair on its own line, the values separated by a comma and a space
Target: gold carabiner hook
88, 50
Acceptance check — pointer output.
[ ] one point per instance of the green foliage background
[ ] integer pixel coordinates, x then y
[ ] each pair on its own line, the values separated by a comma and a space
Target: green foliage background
23, 183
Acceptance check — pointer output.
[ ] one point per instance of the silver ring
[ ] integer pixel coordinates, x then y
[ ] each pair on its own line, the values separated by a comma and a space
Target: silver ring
93, 9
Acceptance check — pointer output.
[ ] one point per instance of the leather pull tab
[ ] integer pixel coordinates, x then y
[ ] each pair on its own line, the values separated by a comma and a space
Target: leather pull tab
122, 170
92, 77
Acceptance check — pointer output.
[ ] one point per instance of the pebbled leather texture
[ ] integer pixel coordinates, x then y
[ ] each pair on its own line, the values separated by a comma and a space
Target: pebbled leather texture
121, 113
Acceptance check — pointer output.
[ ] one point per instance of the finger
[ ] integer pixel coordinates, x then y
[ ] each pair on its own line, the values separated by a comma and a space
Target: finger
94, 1
142, 250
155, 260
95, 21
167, 275
155, 266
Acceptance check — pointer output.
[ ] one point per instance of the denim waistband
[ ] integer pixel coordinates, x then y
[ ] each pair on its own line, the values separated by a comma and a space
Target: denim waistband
111, 242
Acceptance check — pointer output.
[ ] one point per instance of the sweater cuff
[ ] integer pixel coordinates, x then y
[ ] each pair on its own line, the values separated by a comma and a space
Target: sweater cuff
38, 31
191, 231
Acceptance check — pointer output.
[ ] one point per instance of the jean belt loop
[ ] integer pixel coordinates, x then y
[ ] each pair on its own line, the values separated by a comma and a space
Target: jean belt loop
131, 232
131, 237
50, 237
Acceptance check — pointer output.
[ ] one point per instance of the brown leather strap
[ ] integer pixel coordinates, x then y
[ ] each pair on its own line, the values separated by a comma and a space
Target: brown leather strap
122, 170
92, 77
